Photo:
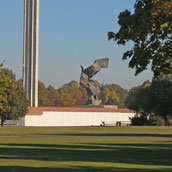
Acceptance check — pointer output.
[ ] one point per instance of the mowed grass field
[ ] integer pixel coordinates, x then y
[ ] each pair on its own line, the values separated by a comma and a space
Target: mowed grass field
125, 130
48, 154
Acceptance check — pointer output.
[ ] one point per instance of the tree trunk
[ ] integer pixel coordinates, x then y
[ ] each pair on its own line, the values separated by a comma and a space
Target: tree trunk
166, 121
2, 122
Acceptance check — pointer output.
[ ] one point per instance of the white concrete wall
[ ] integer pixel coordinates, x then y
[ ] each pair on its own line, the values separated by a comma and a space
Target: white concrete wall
21, 122
73, 118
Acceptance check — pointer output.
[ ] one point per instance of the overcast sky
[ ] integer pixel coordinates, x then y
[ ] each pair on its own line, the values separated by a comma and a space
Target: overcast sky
72, 33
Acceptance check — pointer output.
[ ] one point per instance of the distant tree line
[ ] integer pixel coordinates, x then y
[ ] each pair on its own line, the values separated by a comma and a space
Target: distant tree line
151, 100
13, 102
71, 94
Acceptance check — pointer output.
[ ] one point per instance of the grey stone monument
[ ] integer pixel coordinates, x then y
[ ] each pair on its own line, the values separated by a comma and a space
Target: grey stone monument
92, 86
31, 50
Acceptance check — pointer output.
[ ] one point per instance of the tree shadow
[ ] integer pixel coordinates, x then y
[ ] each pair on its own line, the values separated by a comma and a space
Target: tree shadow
75, 169
139, 154
108, 135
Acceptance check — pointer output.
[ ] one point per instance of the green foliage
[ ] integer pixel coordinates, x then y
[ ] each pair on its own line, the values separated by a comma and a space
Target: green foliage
160, 94
137, 96
108, 97
150, 30
155, 100
112, 94
72, 94
144, 119
13, 103
121, 94
53, 96
139, 120
47, 96
43, 95
157, 121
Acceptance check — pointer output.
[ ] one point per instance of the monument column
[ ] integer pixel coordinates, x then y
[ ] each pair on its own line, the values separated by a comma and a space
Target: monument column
31, 50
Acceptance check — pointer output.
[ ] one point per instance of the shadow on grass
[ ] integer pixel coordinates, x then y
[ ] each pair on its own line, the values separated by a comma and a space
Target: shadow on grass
107, 135
75, 169
139, 154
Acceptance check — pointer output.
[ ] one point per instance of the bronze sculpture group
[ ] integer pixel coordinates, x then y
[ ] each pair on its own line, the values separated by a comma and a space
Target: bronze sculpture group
93, 86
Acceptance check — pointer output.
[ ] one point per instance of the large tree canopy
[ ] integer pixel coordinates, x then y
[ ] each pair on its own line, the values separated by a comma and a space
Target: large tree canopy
153, 99
71, 94
137, 97
159, 100
13, 103
150, 30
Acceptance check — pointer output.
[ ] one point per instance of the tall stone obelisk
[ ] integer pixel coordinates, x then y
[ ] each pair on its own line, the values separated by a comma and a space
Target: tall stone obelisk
31, 50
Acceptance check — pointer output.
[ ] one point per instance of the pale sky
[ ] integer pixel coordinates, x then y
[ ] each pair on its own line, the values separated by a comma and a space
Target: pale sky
72, 33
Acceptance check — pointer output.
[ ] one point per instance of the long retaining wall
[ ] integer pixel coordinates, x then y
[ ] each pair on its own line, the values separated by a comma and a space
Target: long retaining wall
44, 116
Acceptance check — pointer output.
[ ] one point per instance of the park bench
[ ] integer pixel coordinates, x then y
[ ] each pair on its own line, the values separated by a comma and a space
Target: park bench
115, 123
108, 123
123, 123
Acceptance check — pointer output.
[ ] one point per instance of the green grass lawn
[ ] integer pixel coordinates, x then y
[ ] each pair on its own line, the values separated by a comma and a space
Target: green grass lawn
20, 131
85, 154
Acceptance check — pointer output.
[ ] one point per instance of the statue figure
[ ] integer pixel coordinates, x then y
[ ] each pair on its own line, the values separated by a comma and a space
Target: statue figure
92, 86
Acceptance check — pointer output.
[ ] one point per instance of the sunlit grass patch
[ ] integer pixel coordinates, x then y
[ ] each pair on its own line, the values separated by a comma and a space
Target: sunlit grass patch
30, 131
74, 154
